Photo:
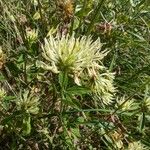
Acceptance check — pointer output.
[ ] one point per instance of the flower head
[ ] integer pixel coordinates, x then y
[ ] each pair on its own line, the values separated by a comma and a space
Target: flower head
127, 105
28, 102
136, 146
73, 54
81, 59
32, 35
102, 87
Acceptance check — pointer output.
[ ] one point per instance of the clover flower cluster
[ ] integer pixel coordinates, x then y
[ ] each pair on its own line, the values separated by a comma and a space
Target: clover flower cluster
82, 59
28, 102
137, 145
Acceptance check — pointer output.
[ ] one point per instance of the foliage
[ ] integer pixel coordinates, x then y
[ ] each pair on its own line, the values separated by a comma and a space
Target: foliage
75, 74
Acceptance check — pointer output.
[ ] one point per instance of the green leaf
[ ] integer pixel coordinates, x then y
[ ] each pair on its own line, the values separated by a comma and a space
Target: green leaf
13, 69
21, 58
137, 36
27, 125
36, 16
63, 79
75, 132
76, 23
72, 102
8, 119
142, 121
80, 119
77, 90
2, 78
9, 98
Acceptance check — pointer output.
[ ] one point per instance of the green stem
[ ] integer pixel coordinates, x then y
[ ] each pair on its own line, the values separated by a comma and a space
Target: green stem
94, 17
83, 9
42, 18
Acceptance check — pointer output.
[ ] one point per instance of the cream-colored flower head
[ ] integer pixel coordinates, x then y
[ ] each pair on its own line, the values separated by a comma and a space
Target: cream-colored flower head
70, 53
136, 146
102, 87
127, 105
81, 58
28, 102
32, 35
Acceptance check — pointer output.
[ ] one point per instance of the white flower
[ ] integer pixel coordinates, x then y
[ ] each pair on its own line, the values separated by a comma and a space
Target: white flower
73, 54
32, 35
136, 146
81, 59
28, 102
102, 87
127, 104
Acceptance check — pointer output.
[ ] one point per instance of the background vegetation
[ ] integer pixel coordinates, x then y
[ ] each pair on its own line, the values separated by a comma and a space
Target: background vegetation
40, 109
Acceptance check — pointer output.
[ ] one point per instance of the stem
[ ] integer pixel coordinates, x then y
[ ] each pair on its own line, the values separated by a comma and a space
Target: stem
65, 130
80, 23
42, 18
94, 17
